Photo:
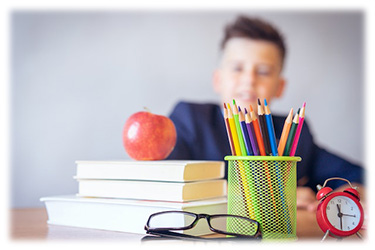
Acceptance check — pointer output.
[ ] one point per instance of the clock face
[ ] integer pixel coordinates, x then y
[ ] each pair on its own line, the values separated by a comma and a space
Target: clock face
343, 213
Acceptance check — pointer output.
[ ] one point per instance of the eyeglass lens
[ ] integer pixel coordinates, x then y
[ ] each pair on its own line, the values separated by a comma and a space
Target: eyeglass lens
171, 220
234, 225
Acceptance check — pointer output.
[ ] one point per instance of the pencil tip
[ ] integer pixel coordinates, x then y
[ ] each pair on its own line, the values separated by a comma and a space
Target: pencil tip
259, 102
234, 102
225, 106
239, 108
265, 102
251, 108
304, 104
228, 105
298, 111
245, 111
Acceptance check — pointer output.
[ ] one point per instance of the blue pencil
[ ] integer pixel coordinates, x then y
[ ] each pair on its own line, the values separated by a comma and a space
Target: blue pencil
271, 129
245, 133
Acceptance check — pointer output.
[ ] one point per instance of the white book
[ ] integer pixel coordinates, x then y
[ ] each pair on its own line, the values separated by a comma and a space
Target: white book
153, 190
123, 215
166, 170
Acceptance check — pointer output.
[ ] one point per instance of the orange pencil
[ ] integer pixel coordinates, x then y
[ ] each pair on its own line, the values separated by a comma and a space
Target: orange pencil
229, 133
258, 135
285, 133
233, 130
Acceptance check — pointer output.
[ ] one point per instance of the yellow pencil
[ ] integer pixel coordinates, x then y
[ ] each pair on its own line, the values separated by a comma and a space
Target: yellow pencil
233, 130
285, 133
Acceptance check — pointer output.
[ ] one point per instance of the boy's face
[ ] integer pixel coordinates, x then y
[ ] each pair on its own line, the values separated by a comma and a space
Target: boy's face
249, 69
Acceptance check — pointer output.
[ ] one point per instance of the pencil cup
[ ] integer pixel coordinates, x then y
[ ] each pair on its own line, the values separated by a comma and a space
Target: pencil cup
264, 189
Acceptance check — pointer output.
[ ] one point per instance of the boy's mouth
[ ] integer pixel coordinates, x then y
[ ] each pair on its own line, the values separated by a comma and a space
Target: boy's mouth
247, 97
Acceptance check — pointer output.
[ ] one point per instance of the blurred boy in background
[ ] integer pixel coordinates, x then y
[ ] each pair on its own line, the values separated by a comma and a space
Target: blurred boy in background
250, 67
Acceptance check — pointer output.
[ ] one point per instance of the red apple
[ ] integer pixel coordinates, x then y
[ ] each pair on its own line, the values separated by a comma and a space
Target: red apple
148, 136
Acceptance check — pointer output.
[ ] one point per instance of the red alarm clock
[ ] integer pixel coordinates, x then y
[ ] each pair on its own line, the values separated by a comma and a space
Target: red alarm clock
339, 214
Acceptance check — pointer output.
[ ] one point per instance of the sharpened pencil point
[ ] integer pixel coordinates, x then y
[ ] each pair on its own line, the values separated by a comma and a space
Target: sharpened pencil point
245, 111
225, 106
228, 105
298, 111
251, 108
239, 109
265, 102
259, 102
234, 102
304, 104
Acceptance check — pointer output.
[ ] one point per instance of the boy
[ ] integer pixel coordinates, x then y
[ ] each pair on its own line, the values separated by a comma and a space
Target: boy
250, 68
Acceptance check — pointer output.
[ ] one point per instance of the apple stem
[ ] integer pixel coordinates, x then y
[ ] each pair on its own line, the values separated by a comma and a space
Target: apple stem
147, 109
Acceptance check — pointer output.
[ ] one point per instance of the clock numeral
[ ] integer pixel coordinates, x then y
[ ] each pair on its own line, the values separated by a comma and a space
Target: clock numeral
339, 200
328, 208
351, 209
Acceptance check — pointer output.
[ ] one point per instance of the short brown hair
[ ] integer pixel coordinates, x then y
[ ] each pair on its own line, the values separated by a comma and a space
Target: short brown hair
256, 29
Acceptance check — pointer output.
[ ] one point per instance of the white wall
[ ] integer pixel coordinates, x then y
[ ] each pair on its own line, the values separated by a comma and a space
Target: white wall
77, 76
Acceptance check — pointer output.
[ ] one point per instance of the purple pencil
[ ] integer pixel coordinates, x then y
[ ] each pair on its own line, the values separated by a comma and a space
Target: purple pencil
251, 132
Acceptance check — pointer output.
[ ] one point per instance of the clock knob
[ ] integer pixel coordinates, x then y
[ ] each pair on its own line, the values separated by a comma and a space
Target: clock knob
322, 192
353, 192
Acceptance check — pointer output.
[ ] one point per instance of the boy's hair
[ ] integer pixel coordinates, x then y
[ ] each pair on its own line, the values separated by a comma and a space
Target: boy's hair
256, 29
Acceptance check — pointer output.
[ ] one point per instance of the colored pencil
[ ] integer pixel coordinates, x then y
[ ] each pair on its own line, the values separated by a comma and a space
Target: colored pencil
263, 128
298, 131
284, 134
244, 185
257, 132
238, 128
280, 190
245, 132
229, 133
292, 132
233, 130
271, 129
251, 132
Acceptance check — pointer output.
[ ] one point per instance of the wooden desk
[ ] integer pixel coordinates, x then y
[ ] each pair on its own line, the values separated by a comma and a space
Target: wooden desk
31, 224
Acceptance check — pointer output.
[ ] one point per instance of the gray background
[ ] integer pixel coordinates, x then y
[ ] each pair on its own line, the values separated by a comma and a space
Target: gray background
77, 77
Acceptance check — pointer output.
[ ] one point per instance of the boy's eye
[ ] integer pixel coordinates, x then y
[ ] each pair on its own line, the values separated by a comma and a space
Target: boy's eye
237, 68
264, 70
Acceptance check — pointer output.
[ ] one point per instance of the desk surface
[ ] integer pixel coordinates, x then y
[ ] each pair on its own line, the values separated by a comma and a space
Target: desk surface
32, 224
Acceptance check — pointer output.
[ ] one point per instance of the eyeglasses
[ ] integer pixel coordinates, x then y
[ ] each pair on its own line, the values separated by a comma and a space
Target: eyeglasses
163, 223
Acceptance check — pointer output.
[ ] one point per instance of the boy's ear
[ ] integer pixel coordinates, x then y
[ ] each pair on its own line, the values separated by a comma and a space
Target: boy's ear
281, 87
216, 81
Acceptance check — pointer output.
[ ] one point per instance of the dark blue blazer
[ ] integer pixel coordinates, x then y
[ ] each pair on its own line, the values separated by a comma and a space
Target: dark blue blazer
201, 135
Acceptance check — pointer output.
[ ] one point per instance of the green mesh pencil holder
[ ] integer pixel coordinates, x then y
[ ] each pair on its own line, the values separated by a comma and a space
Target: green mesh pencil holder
264, 189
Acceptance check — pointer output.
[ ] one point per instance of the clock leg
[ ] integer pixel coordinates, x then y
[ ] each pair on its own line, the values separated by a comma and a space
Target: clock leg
325, 235
359, 235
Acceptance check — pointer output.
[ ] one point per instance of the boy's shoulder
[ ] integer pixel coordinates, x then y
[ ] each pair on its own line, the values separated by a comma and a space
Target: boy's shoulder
184, 106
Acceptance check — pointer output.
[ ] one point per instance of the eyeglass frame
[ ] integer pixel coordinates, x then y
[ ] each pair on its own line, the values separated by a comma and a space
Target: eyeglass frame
165, 230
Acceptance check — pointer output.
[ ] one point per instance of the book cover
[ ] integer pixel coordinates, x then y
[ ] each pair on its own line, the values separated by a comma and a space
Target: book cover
166, 170
123, 215
153, 190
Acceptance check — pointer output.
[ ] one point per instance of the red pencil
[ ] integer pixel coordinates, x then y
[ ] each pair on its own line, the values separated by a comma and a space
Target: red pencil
258, 134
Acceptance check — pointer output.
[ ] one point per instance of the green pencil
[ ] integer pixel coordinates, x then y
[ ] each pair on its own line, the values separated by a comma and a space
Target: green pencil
238, 128
292, 132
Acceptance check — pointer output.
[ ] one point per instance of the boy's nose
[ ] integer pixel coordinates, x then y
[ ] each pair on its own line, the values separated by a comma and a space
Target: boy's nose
248, 78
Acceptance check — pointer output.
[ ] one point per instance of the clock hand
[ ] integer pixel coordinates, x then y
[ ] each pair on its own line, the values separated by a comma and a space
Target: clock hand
351, 215
339, 215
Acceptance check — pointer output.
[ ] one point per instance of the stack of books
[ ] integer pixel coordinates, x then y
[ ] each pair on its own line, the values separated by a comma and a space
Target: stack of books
121, 195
